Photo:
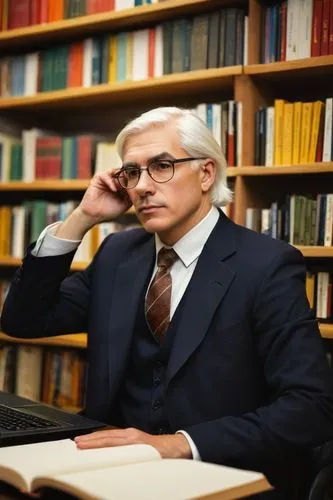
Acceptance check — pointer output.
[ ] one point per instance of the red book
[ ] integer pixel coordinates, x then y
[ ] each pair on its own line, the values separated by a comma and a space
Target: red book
41, 156
35, 11
283, 17
75, 65
54, 158
18, 14
320, 141
316, 27
91, 6
44, 11
151, 53
330, 38
84, 156
1, 15
325, 28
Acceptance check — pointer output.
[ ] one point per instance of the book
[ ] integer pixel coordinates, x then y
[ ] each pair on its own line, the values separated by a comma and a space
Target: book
133, 471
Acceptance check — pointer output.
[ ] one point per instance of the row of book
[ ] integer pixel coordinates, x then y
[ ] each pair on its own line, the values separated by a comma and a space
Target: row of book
319, 293
21, 225
296, 29
292, 133
22, 13
225, 121
297, 219
38, 154
55, 157
192, 43
54, 376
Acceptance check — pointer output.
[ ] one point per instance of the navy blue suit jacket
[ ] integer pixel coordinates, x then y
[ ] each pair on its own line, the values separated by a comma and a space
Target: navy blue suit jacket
247, 376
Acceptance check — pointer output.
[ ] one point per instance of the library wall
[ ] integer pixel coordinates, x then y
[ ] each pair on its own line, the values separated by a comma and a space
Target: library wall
259, 74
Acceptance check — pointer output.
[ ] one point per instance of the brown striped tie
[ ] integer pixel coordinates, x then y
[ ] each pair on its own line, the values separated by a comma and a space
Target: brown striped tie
158, 298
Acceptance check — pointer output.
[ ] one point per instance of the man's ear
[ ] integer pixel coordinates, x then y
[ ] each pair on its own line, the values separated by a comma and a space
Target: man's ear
208, 173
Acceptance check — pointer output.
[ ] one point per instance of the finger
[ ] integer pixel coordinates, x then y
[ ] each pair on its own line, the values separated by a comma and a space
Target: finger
100, 443
112, 183
100, 434
103, 441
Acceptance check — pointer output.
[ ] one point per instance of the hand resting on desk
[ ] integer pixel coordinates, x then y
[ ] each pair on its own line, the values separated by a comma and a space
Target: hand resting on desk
168, 445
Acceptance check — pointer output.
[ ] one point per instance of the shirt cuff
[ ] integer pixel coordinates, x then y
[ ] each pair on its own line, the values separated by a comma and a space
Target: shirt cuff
48, 245
194, 449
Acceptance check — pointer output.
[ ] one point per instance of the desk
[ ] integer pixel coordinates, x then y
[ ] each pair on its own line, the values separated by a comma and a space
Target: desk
7, 492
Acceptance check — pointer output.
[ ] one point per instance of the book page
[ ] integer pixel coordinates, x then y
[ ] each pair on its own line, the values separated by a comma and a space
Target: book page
55, 457
163, 479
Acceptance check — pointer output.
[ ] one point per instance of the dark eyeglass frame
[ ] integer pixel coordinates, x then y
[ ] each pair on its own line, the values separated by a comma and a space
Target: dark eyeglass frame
139, 169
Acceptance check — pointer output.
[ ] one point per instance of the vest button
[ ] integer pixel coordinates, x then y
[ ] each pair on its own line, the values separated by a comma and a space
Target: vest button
157, 404
156, 380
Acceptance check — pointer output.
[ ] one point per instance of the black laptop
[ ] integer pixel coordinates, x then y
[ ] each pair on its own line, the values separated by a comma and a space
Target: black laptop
24, 421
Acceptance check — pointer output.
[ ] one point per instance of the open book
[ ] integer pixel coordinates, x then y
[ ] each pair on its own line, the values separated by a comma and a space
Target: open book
133, 471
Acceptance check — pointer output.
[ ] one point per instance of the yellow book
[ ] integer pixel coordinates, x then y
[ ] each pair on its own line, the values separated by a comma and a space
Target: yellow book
307, 110
310, 288
297, 124
94, 239
5, 234
314, 133
278, 130
287, 134
129, 55
112, 59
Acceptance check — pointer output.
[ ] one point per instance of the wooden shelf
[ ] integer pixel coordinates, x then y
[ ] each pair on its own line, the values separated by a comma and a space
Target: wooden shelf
316, 251
312, 66
311, 168
78, 340
81, 185
45, 185
326, 330
72, 409
233, 171
10, 261
104, 21
179, 84
16, 262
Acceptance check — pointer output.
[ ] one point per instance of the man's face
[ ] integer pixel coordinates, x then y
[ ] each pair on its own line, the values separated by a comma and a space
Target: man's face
172, 208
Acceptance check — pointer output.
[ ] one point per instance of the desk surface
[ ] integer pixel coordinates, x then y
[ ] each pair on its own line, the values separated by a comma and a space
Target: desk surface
7, 492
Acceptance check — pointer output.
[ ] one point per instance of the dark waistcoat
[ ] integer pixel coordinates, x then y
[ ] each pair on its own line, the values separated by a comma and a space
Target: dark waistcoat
141, 399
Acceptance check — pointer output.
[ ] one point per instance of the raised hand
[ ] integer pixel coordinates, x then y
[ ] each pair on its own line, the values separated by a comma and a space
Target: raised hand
104, 199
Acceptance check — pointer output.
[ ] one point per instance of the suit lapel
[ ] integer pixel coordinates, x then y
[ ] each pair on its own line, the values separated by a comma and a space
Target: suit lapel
129, 282
209, 284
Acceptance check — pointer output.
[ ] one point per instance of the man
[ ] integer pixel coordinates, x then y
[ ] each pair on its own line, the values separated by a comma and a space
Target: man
230, 367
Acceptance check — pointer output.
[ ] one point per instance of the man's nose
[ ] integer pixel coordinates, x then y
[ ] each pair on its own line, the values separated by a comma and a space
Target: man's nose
145, 183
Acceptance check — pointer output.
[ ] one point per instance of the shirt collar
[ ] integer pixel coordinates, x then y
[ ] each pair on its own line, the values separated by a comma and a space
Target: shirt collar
190, 246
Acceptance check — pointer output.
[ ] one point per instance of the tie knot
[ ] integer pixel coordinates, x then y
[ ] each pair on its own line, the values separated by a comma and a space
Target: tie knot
166, 257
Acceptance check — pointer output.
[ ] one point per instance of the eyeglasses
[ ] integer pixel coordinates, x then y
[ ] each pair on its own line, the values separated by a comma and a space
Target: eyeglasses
159, 170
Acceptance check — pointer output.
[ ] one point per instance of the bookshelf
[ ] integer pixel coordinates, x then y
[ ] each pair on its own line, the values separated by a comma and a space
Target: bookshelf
254, 85
312, 66
78, 340
93, 23
178, 85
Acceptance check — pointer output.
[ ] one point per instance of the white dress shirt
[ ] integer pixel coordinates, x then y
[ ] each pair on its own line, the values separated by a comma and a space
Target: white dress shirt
188, 248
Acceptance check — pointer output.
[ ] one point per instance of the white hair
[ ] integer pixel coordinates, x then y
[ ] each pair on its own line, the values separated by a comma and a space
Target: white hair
195, 138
